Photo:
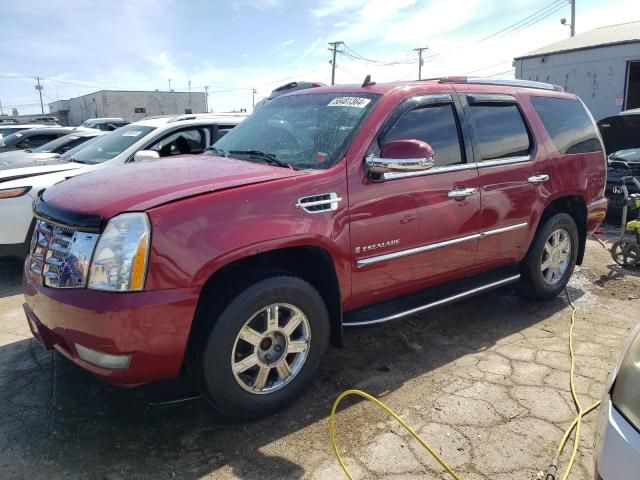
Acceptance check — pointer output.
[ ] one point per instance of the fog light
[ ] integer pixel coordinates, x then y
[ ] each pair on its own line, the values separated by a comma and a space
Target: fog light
104, 360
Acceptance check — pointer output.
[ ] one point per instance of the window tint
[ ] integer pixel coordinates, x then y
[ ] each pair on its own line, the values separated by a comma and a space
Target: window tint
39, 140
185, 141
501, 131
568, 124
435, 125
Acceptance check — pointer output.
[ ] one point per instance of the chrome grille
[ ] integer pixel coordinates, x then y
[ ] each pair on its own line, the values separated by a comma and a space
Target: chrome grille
61, 255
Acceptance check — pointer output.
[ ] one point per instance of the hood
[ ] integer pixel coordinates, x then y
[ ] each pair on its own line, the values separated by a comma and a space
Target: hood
27, 158
140, 186
31, 169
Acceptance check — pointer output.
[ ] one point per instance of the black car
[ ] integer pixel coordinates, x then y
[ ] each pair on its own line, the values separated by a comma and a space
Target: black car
621, 137
32, 138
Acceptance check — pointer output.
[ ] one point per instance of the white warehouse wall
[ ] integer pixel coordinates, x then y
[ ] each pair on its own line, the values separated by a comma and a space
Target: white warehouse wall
597, 75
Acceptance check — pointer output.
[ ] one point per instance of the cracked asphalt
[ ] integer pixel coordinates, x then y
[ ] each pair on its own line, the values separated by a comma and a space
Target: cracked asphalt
485, 382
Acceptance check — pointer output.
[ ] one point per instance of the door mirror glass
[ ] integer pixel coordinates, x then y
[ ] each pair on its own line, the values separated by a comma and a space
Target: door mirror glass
401, 156
144, 155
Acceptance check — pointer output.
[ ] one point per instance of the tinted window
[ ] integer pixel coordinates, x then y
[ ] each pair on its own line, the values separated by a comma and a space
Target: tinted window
62, 144
620, 132
435, 125
568, 124
38, 140
501, 131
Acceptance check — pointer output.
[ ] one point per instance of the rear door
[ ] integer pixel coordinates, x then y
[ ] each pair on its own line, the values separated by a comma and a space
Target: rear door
513, 175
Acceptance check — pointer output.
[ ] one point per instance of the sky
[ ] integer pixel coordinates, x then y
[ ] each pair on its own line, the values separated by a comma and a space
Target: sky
80, 46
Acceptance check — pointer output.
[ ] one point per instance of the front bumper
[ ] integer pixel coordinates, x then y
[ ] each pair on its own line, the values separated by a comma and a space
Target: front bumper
150, 328
618, 446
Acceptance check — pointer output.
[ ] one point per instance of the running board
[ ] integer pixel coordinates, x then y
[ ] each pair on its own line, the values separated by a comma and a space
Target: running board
430, 298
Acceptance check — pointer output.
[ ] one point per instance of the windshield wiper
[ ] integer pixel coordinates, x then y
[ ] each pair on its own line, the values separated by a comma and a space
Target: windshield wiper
269, 158
74, 160
217, 150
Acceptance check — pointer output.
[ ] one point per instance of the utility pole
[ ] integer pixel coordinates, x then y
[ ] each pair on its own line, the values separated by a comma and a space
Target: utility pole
169, 84
39, 88
253, 99
189, 83
1, 111
420, 62
206, 98
334, 50
573, 17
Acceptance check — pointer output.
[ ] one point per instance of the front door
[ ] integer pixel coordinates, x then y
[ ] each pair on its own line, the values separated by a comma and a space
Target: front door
412, 230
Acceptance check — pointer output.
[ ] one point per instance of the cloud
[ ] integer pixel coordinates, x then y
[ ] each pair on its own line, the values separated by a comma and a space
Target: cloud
240, 5
287, 43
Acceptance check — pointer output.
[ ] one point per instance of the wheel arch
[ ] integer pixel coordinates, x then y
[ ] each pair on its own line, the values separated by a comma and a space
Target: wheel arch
576, 207
312, 263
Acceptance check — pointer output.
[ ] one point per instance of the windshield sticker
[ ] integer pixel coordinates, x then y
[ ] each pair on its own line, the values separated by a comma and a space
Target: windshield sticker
18, 134
356, 102
131, 133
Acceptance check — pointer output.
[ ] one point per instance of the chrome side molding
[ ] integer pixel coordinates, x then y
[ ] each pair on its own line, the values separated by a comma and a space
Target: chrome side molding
365, 262
437, 303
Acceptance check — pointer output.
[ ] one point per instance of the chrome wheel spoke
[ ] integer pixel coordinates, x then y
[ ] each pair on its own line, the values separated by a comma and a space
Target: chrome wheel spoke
249, 335
555, 238
546, 264
272, 318
261, 378
298, 346
246, 363
292, 324
283, 369
548, 248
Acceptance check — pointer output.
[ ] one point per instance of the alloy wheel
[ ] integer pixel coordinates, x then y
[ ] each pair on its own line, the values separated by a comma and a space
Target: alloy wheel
556, 256
271, 348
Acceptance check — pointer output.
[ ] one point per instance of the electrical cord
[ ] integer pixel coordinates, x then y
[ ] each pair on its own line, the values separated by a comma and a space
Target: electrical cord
553, 467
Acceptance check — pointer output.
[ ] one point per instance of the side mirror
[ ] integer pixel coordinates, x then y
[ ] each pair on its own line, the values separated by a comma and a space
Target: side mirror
401, 156
144, 155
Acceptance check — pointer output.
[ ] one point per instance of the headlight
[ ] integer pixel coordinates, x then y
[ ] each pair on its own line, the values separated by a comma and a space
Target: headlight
120, 260
14, 192
626, 390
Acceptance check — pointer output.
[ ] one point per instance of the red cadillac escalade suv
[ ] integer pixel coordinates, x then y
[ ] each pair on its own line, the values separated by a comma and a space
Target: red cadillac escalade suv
327, 208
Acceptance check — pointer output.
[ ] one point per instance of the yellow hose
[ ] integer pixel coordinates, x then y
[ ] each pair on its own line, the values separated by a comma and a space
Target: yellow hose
576, 424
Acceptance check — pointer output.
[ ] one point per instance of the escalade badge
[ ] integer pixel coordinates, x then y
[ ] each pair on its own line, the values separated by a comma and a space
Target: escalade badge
377, 246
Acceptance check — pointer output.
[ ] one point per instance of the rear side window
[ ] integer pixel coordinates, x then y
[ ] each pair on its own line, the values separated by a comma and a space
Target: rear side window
435, 125
568, 124
501, 131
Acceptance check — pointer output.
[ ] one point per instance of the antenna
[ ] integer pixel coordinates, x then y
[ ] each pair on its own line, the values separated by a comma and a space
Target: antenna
367, 81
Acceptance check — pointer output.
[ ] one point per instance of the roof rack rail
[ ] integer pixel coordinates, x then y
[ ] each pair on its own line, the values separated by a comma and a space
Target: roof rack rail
195, 116
504, 82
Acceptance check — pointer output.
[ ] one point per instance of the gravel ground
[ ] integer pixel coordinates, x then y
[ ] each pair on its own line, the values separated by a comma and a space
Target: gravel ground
485, 382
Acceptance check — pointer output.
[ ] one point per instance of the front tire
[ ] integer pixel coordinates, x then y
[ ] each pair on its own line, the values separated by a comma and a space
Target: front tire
549, 264
264, 348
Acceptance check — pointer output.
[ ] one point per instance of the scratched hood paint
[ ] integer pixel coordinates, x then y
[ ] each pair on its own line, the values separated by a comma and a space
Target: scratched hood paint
140, 186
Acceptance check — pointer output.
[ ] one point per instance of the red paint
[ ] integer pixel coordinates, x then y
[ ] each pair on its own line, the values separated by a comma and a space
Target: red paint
207, 212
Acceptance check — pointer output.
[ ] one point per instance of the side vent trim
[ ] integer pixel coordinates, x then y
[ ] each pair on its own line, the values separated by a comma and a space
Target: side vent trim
324, 202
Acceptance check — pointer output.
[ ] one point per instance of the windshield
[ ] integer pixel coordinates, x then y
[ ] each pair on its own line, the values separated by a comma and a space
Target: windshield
302, 131
61, 144
12, 139
8, 131
111, 144
620, 132
627, 155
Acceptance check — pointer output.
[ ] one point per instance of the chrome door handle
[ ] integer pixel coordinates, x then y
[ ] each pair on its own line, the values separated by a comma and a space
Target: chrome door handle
461, 192
538, 179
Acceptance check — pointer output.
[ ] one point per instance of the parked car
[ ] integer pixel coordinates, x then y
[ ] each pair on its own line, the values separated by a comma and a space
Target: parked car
617, 443
104, 124
9, 128
327, 208
286, 88
32, 138
144, 140
50, 120
47, 152
621, 137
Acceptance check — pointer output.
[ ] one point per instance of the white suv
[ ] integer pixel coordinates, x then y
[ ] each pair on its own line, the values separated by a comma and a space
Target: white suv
144, 140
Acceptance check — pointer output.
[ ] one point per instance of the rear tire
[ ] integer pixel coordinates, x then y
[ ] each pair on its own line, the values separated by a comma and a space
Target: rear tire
549, 264
263, 350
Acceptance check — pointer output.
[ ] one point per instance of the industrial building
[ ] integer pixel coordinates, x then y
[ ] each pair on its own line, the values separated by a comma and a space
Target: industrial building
602, 66
129, 105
